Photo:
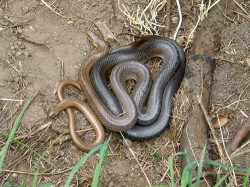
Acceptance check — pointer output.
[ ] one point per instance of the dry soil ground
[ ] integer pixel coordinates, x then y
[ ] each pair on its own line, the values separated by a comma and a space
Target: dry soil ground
39, 48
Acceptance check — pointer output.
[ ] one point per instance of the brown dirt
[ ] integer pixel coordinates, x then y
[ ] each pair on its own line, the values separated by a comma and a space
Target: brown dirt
45, 48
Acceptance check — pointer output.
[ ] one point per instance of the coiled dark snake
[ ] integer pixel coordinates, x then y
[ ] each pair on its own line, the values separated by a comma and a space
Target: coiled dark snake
166, 83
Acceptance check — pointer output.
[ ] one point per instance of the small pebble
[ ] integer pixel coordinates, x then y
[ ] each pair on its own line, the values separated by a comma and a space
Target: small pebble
2, 84
19, 43
6, 17
120, 17
19, 30
12, 21
25, 9
70, 22
27, 54
22, 47
18, 53
18, 105
174, 19
73, 147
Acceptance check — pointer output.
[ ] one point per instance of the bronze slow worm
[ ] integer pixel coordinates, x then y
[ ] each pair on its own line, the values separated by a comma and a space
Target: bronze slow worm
66, 103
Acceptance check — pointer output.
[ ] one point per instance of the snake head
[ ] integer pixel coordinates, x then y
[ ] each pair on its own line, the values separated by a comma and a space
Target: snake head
53, 113
97, 41
92, 38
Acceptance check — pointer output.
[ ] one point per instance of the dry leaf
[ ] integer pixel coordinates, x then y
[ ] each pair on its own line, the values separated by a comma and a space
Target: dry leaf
219, 122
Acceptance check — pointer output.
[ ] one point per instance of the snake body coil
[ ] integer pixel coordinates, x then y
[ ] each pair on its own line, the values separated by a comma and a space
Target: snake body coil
148, 47
67, 103
164, 87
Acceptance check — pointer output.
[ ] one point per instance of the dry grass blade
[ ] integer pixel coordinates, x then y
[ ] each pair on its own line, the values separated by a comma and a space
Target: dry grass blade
180, 19
241, 8
221, 153
132, 152
13, 130
47, 5
203, 14
12, 100
145, 20
35, 131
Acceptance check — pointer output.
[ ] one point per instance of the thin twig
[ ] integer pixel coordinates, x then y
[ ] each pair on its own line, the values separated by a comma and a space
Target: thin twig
224, 14
203, 14
18, 71
245, 16
34, 132
240, 153
211, 127
244, 145
34, 41
21, 23
47, 5
240, 135
62, 70
13, 100
205, 174
180, 19
27, 173
224, 146
241, 7
132, 152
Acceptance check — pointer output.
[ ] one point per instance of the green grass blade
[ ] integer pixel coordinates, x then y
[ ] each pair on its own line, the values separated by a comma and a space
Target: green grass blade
185, 154
246, 179
9, 183
222, 179
82, 161
35, 178
12, 132
224, 166
171, 170
186, 177
103, 156
200, 166
28, 147
46, 185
